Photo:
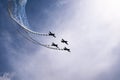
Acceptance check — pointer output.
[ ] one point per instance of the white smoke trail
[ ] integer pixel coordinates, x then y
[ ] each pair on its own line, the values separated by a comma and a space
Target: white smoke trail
17, 12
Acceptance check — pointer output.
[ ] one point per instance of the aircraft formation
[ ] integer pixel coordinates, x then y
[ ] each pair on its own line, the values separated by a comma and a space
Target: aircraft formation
62, 41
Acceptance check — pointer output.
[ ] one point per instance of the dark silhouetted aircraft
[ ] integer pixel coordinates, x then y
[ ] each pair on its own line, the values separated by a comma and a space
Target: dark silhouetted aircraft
52, 34
66, 49
63, 41
56, 45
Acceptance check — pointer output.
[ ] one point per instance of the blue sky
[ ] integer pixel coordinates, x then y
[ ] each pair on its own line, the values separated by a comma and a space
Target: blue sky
90, 26
4, 20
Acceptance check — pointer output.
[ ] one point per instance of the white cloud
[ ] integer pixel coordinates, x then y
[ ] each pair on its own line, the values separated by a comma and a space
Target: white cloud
92, 29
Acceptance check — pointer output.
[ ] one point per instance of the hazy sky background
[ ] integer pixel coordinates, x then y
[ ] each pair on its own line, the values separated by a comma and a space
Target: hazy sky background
92, 28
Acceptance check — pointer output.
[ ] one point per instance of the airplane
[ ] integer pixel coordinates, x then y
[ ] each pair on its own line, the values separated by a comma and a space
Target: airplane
51, 34
63, 41
66, 49
56, 45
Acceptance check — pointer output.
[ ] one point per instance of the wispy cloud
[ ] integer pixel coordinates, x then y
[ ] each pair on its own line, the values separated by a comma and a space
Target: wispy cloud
6, 76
